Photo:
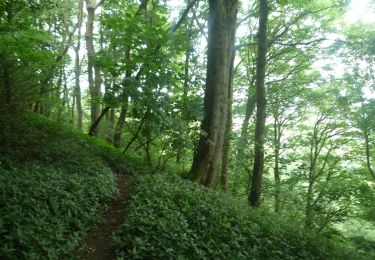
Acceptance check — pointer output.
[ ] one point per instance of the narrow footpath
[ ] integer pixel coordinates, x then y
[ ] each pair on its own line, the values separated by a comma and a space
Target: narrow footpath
98, 243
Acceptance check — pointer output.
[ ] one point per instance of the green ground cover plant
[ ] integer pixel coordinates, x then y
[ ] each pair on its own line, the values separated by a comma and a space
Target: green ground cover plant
54, 185
171, 218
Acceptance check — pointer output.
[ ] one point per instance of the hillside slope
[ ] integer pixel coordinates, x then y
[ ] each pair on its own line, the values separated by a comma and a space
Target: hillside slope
171, 218
54, 184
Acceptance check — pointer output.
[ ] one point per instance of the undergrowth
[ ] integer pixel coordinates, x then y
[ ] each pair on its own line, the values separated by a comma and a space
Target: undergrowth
45, 211
170, 218
54, 183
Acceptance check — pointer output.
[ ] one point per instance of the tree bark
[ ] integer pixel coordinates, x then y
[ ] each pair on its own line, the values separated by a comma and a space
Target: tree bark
314, 154
71, 112
277, 136
256, 180
120, 123
125, 104
92, 69
77, 91
77, 68
368, 154
228, 127
222, 25
94, 127
226, 146
65, 99
250, 107
309, 204
111, 123
184, 112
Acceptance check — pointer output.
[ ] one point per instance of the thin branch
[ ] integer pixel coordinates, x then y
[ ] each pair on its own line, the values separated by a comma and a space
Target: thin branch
137, 132
251, 14
296, 19
99, 4
183, 16
201, 28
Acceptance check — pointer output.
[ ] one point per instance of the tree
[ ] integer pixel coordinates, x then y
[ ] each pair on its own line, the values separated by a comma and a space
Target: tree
228, 127
125, 103
93, 70
148, 41
221, 24
358, 54
77, 67
31, 52
256, 179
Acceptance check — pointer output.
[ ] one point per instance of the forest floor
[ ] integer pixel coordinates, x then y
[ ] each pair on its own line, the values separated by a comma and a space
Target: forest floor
98, 244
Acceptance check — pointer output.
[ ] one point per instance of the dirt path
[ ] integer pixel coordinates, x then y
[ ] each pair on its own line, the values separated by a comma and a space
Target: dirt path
99, 242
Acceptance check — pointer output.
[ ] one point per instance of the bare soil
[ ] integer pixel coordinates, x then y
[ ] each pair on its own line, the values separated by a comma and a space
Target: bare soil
98, 244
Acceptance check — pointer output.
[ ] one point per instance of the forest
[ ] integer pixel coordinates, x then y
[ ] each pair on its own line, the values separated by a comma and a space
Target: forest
191, 129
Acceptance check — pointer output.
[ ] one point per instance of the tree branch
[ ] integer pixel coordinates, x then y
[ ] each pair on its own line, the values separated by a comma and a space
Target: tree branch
99, 4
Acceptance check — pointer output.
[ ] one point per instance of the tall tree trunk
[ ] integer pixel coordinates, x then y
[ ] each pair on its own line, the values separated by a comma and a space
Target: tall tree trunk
228, 127
71, 112
92, 69
250, 107
124, 107
65, 98
186, 73
314, 153
77, 68
226, 146
185, 91
120, 123
256, 180
60, 83
111, 121
368, 154
77, 91
221, 24
276, 169
309, 204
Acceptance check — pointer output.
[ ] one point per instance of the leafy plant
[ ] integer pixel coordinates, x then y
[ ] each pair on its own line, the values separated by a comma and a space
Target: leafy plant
45, 211
170, 218
54, 184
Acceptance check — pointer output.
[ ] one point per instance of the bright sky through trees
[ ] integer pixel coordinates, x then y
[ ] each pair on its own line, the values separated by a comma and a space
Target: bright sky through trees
360, 10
